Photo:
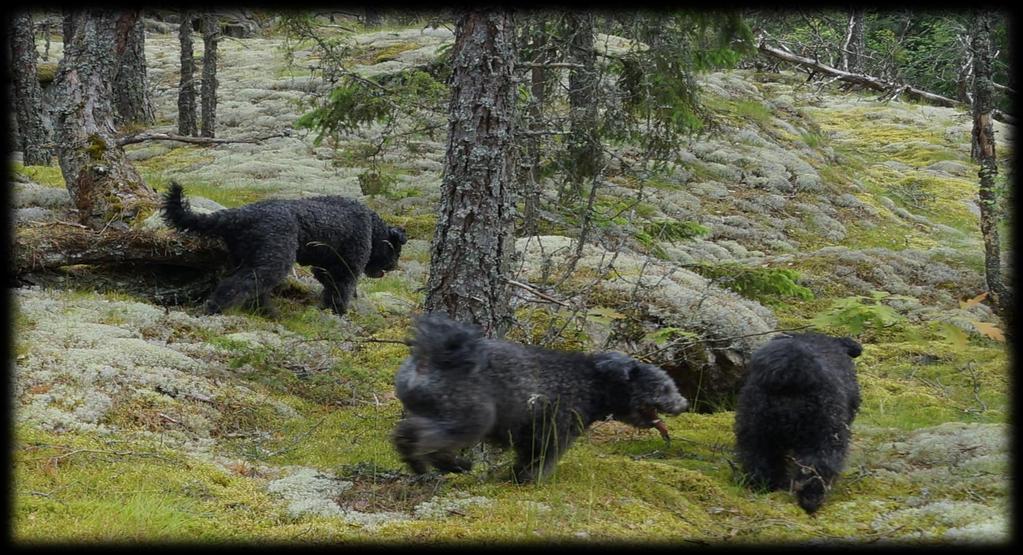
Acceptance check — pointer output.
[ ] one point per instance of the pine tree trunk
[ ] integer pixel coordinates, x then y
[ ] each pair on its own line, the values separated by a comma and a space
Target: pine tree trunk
210, 37
104, 186
536, 41
983, 152
186, 86
584, 150
34, 132
472, 246
131, 96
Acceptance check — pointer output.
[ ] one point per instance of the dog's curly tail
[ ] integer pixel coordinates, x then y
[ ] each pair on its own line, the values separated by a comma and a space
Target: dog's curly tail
179, 215
445, 344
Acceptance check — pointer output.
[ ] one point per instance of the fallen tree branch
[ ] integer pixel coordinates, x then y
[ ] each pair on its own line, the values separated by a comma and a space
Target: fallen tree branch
142, 137
537, 292
38, 248
872, 82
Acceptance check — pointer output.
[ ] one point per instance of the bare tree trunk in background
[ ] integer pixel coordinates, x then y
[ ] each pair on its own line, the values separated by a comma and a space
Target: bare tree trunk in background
983, 152
186, 86
131, 95
855, 46
104, 186
584, 149
535, 41
472, 246
371, 17
210, 37
964, 79
69, 25
34, 134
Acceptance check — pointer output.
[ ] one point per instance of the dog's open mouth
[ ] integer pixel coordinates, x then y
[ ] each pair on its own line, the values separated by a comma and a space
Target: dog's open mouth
650, 414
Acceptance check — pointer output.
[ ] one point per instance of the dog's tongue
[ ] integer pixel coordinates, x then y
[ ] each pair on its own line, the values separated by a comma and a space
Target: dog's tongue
659, 424
661, 427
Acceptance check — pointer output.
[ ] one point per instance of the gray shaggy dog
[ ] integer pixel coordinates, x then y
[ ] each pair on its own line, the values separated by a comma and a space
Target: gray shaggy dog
340, 238
794, 412
459, 388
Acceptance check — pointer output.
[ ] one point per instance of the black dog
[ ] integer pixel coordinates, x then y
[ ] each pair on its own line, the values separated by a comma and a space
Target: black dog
794, 412
459, 388
339, 237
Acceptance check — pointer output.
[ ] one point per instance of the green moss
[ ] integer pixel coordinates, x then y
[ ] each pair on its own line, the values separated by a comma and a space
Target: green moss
229, 197
81, 488
49, 176
177, 159
46, 71
538, 326
416, 226
391, 52
97, 148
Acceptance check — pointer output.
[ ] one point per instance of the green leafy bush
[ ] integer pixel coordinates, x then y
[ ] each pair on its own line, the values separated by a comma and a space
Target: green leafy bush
859, 312
761, 284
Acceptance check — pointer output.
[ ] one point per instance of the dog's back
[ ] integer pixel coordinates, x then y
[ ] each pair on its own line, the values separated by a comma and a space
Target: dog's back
227, 223
798, 381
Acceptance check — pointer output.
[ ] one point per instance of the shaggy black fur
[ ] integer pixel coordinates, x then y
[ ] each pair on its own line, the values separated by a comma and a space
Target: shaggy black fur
794, 412
340, 238
459, 388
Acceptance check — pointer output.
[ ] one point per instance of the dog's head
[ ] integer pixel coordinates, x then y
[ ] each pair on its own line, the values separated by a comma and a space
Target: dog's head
386, 250
809, 488
649, 390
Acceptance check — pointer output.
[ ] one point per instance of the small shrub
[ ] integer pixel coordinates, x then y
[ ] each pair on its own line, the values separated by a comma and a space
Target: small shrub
860, 312
761, 284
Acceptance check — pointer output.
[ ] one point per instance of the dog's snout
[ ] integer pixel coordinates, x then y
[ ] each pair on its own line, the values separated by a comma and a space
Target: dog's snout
680, 406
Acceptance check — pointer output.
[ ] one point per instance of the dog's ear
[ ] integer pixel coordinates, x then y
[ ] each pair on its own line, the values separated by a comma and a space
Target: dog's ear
852, 347
616, 365
397, 235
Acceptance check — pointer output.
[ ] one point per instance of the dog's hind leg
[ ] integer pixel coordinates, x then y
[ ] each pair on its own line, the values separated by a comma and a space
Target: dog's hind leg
248, 283
421, 440
449, 461
763, 462
232, 290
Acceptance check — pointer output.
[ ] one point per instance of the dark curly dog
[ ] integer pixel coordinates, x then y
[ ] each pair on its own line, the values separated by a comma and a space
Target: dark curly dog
459, 388
340, 238
794, 412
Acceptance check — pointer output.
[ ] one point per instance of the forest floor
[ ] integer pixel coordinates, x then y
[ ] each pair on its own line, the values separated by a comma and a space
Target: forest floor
137, 422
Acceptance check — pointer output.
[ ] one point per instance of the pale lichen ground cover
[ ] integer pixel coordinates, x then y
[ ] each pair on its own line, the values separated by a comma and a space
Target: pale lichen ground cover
138, 423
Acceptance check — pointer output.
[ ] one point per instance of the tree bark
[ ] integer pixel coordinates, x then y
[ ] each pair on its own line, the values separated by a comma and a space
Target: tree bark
584, 149
186, 86
34, 131
472, 246
855, 46
983, 152
68, 21
104, 186
131, 94
210, 38
535, 41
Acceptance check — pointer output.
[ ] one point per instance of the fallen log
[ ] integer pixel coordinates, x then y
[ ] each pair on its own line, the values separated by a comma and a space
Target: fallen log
872, 83
142, 137
51, 245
